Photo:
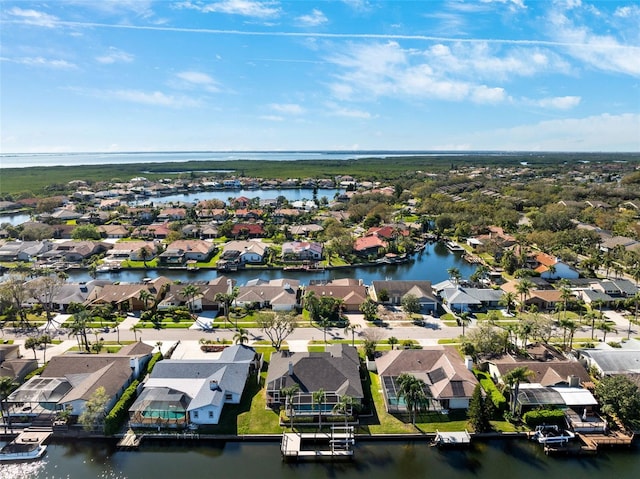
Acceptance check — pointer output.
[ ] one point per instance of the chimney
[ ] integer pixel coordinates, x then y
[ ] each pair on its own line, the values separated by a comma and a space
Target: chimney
213, 385
290, 368
574, 381
468, 362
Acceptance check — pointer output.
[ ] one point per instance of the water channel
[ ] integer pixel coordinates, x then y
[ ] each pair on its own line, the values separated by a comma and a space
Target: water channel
372, 460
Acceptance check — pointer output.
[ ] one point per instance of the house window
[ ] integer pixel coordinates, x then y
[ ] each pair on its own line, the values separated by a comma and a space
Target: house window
195, 414
228, 397
210, 414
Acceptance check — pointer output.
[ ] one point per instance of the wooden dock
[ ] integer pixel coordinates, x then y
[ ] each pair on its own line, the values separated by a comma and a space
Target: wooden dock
319, 445
452, 439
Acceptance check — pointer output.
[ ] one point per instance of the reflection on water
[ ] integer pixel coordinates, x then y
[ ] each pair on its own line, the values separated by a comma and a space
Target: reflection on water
373, 460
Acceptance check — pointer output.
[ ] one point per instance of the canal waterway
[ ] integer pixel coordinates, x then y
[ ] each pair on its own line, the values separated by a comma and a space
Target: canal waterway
430, 264
496, 459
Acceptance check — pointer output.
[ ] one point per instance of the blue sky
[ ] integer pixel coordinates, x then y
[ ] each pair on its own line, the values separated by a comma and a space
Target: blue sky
142, 75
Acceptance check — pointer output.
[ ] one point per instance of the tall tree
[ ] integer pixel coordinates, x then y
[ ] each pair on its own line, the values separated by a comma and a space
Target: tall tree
524, 288
606, 327
241, 336
352, 328
94, 410
513, 379
79, 327
414, 393
479, 411
277, 326
289, 393
45, 290
7, 385
227, 300
319, 399
190, 293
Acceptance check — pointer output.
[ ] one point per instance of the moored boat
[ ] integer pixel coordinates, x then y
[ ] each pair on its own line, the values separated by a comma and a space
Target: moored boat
19, 452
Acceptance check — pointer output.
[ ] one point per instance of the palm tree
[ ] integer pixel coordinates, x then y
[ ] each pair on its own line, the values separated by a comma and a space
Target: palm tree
146, 297
319, 398
159, 346
7, 385
289, 393
523, 288
565, 294
32, 343
325, 324
190, 292
345, 406
508, 300
145, 254
464, 319
241, 336
392, 341
227, 300
351, 328
454, 274
513, 379
597, 303
79, 327
134, 329
606, 327
413, 391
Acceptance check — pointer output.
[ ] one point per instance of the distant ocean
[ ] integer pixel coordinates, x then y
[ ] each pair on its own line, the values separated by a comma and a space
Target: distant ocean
24, 160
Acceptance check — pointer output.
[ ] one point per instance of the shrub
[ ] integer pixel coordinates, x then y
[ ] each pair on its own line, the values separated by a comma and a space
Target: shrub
35, 372
120, 410
544, 416
497, 398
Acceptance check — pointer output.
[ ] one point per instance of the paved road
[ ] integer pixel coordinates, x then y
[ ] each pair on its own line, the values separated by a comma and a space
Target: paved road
429, 334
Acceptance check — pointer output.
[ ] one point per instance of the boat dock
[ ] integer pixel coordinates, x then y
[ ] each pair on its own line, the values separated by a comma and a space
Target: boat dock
319, 445
452, 439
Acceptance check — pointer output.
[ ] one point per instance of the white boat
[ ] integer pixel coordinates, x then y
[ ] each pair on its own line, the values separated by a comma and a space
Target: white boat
18, 452
454, 247
552, 435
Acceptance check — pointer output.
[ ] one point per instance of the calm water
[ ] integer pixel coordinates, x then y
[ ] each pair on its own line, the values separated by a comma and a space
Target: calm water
23, 160
372, 460
432, 264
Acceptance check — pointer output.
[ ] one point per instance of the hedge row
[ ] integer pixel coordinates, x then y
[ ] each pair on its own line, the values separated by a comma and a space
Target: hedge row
120, 411
152, 362
544, 416
497, 398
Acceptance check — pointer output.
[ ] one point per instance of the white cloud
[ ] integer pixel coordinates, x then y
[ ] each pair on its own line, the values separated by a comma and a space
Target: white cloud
594, 133
313, 19
602, 52
34, 17
628, 11
337, 110
155, 98
287, 108
559, 102
115, 55
247, 8
272, 118
199, 79
41, 62
484, 94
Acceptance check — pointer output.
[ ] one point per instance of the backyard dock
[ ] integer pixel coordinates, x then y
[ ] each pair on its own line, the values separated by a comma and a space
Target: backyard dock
452, 439
319, 445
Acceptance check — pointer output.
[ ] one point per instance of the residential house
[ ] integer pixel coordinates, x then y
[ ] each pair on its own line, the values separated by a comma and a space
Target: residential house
247, 230
180, 251
23, 250
243, 252
204, 300
278, 294
551, 267
301, 251
172, 214
131, 250
126, 296
113, 231
13, 365
448, 379
350, 291
464, 299
305, 230
609, 361
180, 393
369, 246
396, 290
335, 371
75, 251
70, 380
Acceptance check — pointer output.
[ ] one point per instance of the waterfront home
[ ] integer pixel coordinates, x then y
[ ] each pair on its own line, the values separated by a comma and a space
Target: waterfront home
350, 291
183, 392
369, 245
305, 230
335, 371
23, 250
75, 251
131, 250
62, 295
242, 252
448, 379
550, 267
301, 251
547, 372
68, 381
278, 294
113, 231
172, 214
395, 290
203, 300
247, 230
180, 251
